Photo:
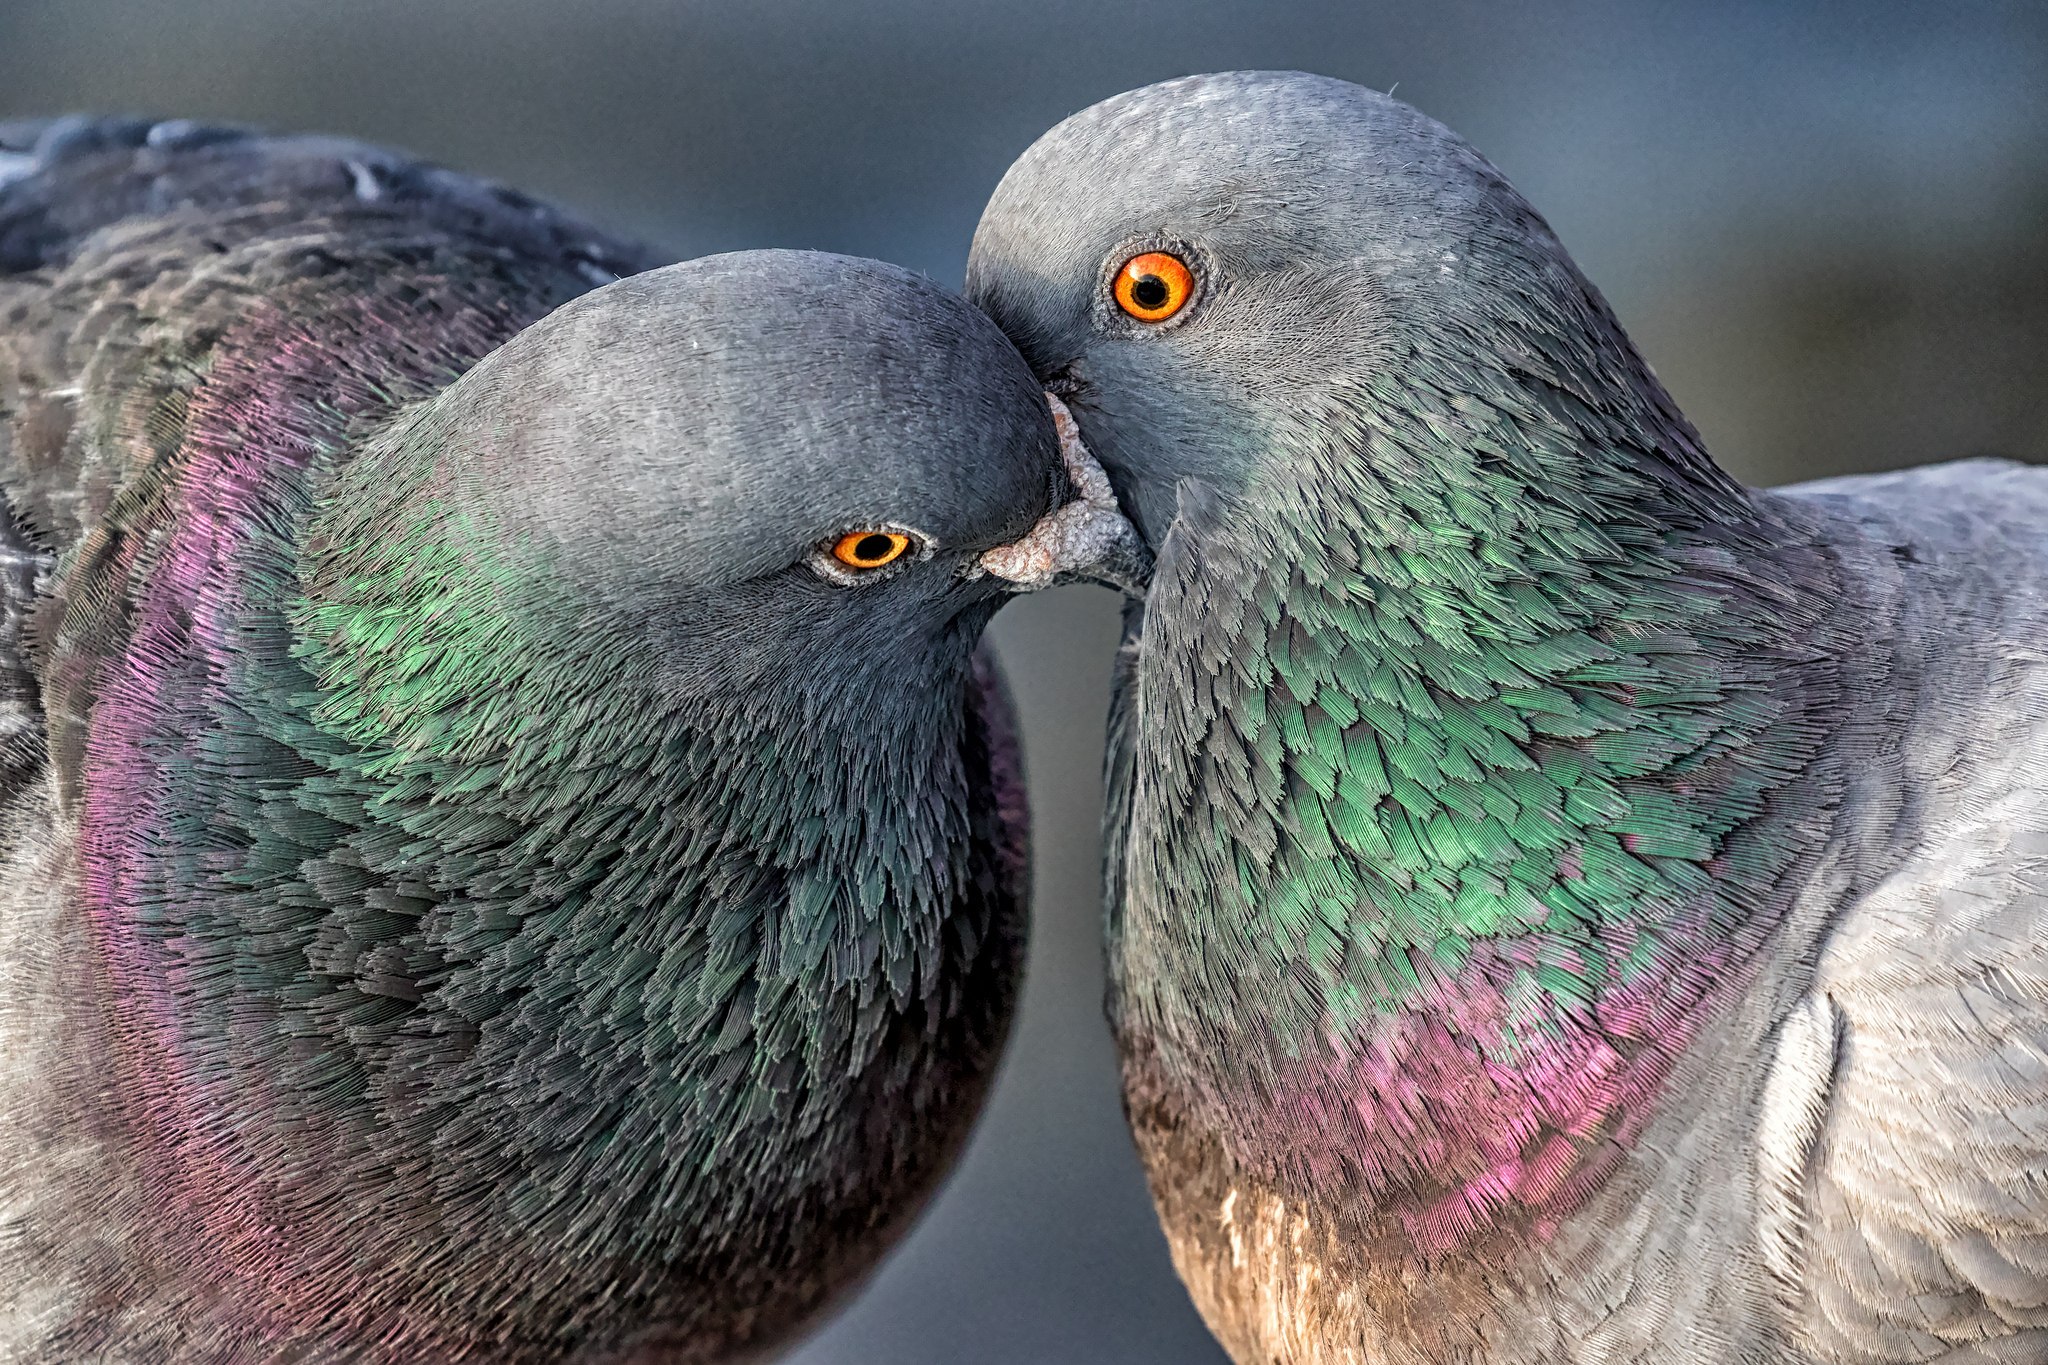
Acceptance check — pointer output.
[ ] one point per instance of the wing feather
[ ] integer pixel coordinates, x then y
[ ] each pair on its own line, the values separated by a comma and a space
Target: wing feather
1924, 1201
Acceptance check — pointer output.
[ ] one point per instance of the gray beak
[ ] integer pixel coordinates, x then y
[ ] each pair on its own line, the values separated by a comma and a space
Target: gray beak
1088, 540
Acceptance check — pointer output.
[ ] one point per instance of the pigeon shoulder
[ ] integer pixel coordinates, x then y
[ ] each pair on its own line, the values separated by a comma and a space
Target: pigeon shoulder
1961, 515
1900, 1204
129, 248
64, 180
1954, 557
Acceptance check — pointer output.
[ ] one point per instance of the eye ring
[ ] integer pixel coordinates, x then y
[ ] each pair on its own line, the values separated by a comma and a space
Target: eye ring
867, 553
865, 550
1153, 286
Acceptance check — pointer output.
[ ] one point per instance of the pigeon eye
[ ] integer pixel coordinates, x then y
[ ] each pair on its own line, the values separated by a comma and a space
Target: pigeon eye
870, 549
1154, 286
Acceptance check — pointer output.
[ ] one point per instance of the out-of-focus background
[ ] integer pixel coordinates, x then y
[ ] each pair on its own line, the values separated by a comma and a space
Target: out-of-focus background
1825, 223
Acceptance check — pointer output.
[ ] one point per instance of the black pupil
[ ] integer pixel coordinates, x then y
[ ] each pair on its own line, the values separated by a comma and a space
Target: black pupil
873, 547
1149, 292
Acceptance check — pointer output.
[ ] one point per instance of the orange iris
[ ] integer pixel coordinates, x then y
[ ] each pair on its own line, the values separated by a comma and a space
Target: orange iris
869, 549
1154, 286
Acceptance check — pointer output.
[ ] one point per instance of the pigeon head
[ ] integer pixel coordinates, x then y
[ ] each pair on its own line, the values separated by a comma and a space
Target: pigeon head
750, 469
1220, 273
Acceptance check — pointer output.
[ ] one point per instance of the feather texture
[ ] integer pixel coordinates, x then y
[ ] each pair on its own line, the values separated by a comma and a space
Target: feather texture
411, 953
1565, 906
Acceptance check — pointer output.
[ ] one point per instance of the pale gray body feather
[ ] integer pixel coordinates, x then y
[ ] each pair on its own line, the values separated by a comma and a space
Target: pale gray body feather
1917, 1220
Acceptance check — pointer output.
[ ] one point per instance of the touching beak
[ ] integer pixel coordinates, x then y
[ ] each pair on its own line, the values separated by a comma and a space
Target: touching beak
1088, 540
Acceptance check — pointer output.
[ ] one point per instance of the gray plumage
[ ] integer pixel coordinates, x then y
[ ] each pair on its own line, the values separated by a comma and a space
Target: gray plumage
510, 850
1564, 906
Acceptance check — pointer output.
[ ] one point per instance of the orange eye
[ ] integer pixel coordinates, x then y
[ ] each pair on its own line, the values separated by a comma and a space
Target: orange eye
1154, 286
870, 549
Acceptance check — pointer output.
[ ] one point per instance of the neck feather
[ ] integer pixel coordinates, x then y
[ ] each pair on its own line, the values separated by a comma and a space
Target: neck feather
510, 966
1471, 727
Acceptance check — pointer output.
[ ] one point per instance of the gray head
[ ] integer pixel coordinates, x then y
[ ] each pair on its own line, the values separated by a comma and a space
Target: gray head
1336, 241
730, 463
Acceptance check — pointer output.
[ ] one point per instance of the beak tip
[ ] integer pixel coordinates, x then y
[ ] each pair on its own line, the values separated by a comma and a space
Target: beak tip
1026, 563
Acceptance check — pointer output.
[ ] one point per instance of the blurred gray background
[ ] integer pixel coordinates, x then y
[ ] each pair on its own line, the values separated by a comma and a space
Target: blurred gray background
1825, 223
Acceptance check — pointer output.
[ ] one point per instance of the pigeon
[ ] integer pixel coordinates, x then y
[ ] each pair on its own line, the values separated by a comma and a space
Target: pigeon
1563, 905
511, 850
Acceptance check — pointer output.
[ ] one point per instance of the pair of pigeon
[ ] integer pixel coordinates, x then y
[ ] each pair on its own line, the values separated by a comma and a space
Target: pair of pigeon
513, 853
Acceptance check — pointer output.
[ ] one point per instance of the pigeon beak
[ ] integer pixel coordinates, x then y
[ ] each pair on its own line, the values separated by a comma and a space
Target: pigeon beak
1087, 540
